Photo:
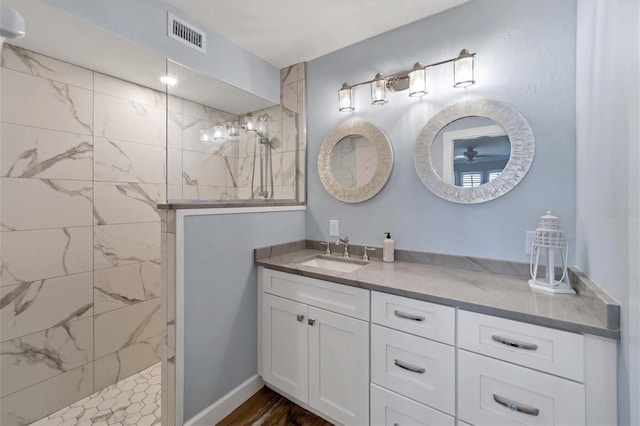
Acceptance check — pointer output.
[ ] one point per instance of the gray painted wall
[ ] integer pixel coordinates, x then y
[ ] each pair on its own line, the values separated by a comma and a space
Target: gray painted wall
608, 188
221, 299
525, 57
145, 22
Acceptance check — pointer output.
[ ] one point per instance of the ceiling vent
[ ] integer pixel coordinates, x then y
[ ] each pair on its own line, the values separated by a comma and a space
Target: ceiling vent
186, 33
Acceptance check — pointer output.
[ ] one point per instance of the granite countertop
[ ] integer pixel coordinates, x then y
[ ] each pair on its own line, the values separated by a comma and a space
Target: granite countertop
591, 311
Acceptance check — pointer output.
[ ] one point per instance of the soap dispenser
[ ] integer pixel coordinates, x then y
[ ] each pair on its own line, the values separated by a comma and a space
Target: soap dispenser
388, 248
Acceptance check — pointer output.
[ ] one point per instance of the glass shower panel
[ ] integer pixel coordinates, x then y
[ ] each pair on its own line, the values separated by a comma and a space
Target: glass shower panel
226, 144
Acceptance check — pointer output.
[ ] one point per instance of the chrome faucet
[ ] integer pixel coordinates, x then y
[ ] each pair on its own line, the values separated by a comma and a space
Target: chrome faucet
327, 252
344, 241
365, 256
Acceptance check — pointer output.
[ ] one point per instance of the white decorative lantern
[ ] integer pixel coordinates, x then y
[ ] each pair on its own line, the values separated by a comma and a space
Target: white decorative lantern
550, 244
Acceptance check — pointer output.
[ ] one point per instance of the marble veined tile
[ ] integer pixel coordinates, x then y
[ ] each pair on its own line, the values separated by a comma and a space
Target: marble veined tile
175, 104
119, 365
28, 405
125, 120
284, 192
289, 97
125, 285
119, 88
31, 152
174, 192
39, 102
121, 202
207, 170
120, 328
203, 112
191, 128
201, 192
38, 305
289, 134
289, 74
174, 130
26, 61
245, 168
125, 244
27, 360
128, 162
50, 203
45, 253
174, 166
288, 168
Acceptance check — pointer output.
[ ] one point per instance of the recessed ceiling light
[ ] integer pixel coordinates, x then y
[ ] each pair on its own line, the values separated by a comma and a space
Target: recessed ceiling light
168, 80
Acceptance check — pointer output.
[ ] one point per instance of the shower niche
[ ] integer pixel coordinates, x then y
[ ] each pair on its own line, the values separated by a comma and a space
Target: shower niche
224, 144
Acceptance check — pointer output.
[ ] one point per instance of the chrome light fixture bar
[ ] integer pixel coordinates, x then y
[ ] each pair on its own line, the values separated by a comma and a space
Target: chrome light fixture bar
414, 79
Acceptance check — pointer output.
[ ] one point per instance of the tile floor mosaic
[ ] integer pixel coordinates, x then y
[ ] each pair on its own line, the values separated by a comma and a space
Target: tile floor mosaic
132, 401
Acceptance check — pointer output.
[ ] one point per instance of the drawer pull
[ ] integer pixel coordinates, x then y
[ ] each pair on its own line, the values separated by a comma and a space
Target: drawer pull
409, 367
514, 406
300, 317
405, 315
515, 343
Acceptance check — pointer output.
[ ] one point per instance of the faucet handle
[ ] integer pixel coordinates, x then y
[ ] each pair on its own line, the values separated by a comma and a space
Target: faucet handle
328, 250
365, 256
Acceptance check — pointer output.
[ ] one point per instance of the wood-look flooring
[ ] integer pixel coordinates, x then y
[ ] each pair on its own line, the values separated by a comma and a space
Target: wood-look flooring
267, 408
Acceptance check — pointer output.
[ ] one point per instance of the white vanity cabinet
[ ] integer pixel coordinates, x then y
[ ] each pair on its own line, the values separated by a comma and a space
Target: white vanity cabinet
511, 372
413, 365
315, 344
430, 364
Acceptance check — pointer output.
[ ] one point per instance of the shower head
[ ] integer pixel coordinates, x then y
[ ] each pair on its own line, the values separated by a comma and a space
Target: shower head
257, 132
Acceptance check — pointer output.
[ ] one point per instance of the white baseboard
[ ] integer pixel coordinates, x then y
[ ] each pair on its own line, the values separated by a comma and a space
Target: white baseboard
225, 405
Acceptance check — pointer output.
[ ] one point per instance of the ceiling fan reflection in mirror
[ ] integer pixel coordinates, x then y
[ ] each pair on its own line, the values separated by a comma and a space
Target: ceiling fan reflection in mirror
471, 155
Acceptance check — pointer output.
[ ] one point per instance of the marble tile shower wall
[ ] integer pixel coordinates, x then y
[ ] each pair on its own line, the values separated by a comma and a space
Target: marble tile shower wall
199, 171
288, 140
82, 160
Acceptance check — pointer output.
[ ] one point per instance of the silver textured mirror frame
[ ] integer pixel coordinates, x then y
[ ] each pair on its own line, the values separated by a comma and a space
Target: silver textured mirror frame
383, 170
522, 151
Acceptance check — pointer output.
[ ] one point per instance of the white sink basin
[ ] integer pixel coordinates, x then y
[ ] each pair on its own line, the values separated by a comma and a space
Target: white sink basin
336, 265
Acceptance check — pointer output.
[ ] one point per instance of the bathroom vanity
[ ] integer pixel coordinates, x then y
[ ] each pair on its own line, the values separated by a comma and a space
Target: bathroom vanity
412, 343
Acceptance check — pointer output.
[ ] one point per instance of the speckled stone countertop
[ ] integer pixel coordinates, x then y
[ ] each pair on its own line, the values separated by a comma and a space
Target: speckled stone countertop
592, 311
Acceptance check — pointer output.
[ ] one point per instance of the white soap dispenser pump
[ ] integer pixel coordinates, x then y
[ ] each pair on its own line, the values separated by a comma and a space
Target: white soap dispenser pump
388, 248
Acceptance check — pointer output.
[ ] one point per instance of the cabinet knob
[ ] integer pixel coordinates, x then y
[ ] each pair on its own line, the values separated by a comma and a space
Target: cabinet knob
311, 321
300, 317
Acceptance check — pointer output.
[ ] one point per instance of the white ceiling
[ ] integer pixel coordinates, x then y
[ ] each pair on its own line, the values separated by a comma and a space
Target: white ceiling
282, 32
285, 32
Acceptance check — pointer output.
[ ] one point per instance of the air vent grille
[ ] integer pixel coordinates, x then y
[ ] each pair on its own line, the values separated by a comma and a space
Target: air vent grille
186, 33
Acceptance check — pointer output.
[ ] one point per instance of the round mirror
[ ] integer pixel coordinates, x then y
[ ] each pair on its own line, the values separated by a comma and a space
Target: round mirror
355, 161
474, 151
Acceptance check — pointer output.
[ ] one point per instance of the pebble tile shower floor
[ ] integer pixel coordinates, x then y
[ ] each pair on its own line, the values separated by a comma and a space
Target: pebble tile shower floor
132, 401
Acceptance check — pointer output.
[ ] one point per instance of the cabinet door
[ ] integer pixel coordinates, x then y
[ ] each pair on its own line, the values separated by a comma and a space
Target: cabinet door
339, 366
285, 345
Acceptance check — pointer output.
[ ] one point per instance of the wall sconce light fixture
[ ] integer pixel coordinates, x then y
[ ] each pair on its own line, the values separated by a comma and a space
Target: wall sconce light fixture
415, 80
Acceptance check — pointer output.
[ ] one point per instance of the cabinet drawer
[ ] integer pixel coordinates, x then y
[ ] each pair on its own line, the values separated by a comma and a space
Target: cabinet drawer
417, 317
339, 298
418, 368
545, 349
390, 409
493, 392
